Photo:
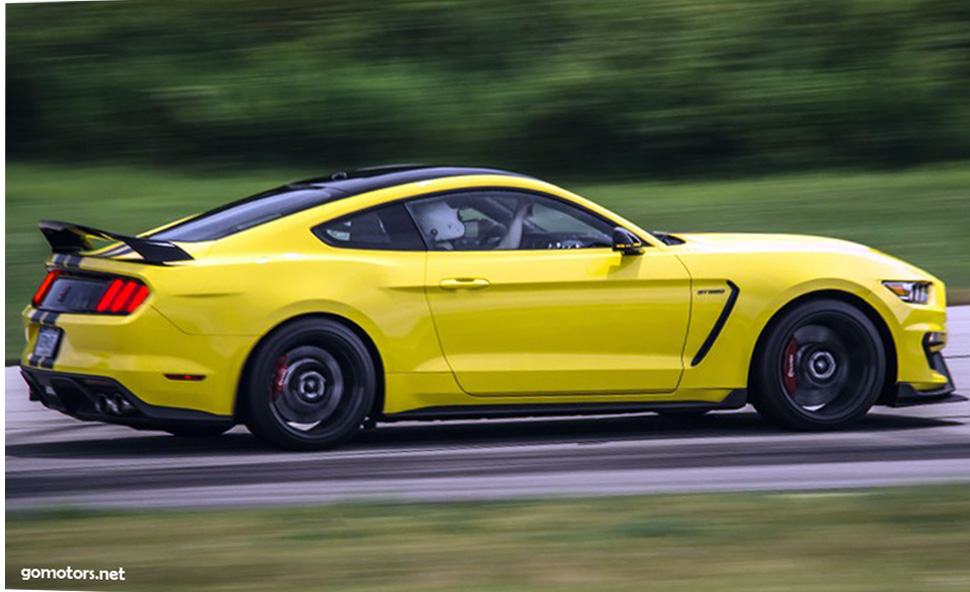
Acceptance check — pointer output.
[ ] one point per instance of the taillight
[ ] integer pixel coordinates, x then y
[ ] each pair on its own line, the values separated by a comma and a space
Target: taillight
45, 287
64, 291
136, 299
122, 296
109, 295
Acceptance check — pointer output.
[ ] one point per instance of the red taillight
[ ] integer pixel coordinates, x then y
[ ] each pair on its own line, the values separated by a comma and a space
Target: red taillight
139, 296
122, 296
45, 287
109, 295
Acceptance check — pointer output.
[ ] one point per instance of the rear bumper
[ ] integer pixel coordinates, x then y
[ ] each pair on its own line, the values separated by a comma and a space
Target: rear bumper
99, 398
138, 351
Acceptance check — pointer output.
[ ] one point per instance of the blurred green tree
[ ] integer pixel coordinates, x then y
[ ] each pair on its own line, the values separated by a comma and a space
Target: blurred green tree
626, 87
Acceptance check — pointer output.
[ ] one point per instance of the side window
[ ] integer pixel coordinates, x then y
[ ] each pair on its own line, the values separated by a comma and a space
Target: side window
387, 228
506, 220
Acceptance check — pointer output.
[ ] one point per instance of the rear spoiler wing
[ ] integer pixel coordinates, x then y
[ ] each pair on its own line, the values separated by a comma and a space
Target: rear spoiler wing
69, 238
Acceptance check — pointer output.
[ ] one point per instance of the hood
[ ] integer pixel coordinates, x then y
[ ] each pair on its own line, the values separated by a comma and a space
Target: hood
743, 242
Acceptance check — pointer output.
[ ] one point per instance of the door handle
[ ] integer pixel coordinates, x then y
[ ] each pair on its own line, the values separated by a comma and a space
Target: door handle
464, 284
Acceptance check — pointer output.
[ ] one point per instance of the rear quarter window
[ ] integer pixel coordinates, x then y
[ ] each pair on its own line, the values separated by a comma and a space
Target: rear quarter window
387, 228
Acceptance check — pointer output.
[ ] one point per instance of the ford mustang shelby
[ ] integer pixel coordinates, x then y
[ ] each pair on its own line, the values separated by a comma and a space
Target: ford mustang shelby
315, 309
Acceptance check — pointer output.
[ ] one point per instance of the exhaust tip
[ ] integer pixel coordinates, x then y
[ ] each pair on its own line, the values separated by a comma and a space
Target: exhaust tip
123, 406
107, 405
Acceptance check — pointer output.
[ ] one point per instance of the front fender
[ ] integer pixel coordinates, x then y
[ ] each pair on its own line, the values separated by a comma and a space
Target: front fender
768, 281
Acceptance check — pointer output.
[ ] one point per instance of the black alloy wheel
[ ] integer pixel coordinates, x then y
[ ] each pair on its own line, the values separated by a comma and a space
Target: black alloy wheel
311, 386
822, 366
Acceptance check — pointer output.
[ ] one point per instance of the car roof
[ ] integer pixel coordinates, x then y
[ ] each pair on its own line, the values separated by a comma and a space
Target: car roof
372, 178
299, 196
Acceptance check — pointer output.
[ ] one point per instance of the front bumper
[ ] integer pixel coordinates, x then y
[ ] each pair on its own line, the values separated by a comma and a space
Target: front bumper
98, 398
907, 395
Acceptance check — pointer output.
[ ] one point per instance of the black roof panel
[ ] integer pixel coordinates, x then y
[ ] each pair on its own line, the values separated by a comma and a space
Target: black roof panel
371, 179
296, 197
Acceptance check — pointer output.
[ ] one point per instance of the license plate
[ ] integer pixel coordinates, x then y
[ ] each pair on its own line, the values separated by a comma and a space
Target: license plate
47, 341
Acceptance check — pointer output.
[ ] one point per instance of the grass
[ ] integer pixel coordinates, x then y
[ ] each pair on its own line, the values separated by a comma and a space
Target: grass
891, 539
921, 215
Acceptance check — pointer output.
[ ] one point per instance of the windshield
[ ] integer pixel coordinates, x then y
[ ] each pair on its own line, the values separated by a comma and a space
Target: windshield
246, 213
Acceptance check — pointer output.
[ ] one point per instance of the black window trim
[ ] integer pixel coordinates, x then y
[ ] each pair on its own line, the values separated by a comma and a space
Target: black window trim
319, 232
512, 189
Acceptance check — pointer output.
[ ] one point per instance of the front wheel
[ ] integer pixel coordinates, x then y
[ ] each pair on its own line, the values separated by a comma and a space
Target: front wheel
311, 386
822, 366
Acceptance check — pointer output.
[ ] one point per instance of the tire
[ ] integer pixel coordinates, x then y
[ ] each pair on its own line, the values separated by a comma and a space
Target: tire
198, 431
311, 386
821, 367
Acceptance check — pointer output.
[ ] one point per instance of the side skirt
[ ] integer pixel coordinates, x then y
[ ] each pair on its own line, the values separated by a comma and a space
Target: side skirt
735, 400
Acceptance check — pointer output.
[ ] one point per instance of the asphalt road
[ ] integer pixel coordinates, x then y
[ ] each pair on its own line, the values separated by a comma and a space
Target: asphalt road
53, 460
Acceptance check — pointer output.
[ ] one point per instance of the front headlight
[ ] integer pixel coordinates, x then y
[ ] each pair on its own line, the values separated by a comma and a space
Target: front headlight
912, 292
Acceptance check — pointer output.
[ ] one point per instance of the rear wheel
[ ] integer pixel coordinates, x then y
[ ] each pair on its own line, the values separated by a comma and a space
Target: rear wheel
822, 367
311, 386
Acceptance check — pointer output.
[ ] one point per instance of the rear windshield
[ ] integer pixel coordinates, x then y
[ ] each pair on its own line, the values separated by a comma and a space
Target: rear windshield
246, 213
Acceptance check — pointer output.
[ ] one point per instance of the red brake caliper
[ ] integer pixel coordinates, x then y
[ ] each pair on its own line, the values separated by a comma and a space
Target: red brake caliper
788, 374
279, 381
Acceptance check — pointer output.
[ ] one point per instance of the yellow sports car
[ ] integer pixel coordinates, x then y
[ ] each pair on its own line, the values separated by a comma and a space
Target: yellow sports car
319, 308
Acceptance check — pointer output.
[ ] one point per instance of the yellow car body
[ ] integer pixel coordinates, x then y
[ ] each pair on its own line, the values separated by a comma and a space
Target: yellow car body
455, 331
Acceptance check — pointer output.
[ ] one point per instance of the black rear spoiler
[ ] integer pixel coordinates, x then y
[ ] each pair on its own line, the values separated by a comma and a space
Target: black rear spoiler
68, 238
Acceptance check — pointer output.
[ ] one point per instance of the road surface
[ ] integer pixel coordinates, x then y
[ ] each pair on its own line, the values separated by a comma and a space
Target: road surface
53, 460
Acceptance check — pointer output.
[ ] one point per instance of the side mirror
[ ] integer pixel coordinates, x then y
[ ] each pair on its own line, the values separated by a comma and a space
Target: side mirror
626, 242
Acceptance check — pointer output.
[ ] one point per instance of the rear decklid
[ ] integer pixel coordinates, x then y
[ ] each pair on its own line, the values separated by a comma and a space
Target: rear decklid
113, 278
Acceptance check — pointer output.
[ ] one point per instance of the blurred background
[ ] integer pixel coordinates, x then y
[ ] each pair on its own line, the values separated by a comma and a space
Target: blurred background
847, 118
